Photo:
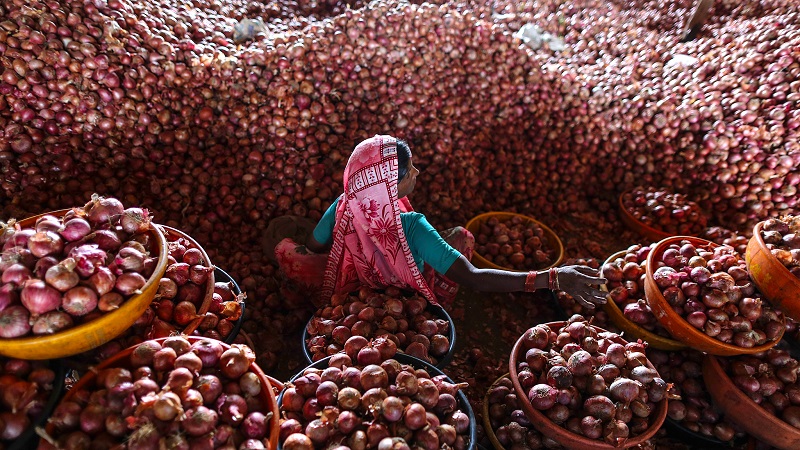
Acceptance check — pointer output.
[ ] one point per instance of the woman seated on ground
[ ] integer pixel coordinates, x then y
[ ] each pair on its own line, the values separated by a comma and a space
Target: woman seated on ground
374, 238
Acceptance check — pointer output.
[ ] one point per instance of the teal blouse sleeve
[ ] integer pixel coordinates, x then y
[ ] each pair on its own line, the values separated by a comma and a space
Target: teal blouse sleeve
426, 244
424, 241
323, 232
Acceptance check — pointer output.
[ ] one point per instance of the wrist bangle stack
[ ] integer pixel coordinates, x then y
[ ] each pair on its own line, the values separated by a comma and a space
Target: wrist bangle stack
530, 281
552, 280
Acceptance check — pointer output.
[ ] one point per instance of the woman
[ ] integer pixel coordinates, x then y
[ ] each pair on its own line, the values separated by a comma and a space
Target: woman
375, 239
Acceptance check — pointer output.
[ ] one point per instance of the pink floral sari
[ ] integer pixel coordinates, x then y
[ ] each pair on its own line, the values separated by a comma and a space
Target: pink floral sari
369, 245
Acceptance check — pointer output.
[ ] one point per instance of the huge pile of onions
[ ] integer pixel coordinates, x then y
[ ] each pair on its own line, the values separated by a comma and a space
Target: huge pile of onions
689, 401
711, 288
782, 238
770, 379
385, 406
590, 382
174, 394
665, 211
72, 269
509, 423
514, 243
25, 387
626, 275
401, 319
154, 103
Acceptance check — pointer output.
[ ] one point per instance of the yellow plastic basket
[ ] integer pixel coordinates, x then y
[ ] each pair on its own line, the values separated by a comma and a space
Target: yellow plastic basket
95, 333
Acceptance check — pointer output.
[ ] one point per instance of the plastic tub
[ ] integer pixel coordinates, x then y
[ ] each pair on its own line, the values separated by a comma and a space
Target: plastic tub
222, 276
616, 316
173, 234
676, 325
638, 226
95, 333
550, 236
563, 436
122, 359
772, 278
746, 413
436, 310
29, 439
417, 363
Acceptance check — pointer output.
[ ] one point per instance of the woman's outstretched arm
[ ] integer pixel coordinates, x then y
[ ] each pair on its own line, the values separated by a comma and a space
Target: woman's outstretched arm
578, 281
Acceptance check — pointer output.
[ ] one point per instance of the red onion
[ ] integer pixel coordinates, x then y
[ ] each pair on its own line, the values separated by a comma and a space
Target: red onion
103, 281
235, 361
88, 258
16, 273
135, 220
79, 301
38, 297
14, 322
102, 210
51, 322
45, 243
75, 229
208, 350
129, 283
8, 295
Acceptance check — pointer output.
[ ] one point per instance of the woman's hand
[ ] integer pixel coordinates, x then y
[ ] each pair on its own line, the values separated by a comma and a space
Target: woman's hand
577, 281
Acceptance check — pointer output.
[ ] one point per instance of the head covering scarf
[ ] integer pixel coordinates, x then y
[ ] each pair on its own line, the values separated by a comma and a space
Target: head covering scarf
369, 246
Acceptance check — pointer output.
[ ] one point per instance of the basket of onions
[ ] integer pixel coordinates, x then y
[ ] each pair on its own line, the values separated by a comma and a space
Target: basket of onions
185, 293
691, 414
585, 387
760, 393
29, 390
627, 307
76, 278
186, 287
504, 421
657, 214
396, 402
511, 241
175, 392
407, 320
703, 296
227, 307
773, 259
